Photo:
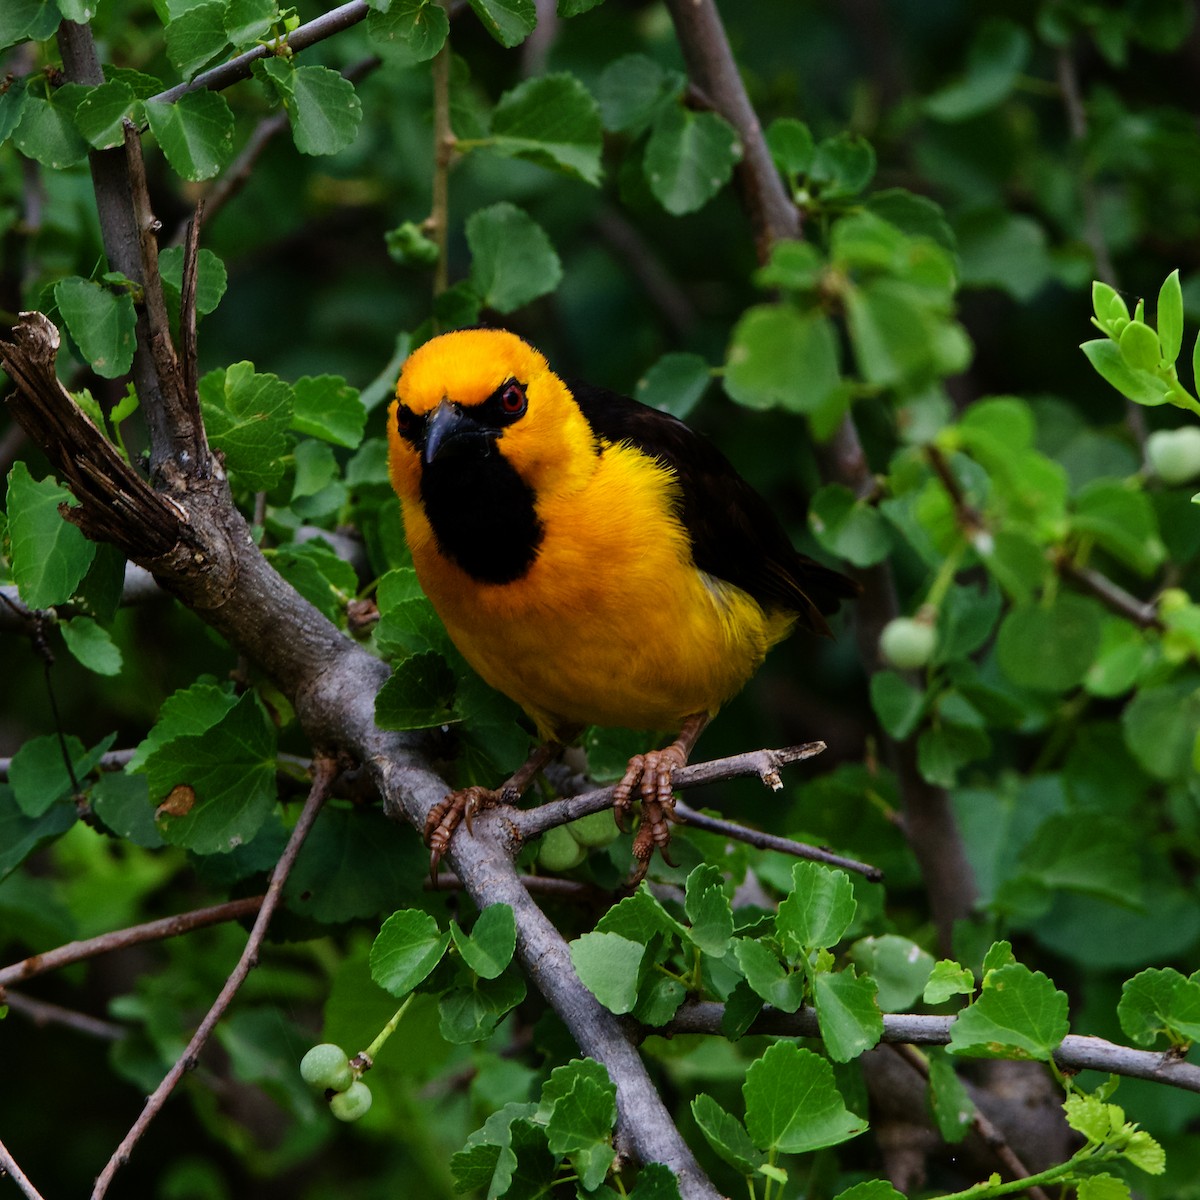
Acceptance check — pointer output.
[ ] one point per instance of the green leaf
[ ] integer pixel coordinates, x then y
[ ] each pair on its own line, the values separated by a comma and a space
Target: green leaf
870, 1189
407, 948
510, 22
419, 26
899, 966
942, 751
842, 166
767, 977
1102, 1187
322, 106
419, 694
849, 527
122, 802
1049, 647
1160, 1001
1139, 347
186, 713
997, 57
102, 112
709, 911
1160, 725
675, 384
196, 37
850, 1019
512, 259
49, 555
46, 130
897, 703
608, 966
21, 835
949, 1101
580, 1121
230, 769
551, 120
1142, 387
791, 144
38, 773
21, 19
12, 102
247, 416
690, 156
639, 918
250, 21
471, 1014
632, 89
726, 1135
195, 133
574, 8
998, 248
327, 407
780, 357
792, 1103
92, 645
211, 277
489, 947
1019, 1014
101, 321
817, 911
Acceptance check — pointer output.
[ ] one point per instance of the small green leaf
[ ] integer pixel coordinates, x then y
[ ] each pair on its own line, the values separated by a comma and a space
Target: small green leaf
781, 358
792, 1103
817, 911
946, 980
185, 713
632, 89
1160, 1001
46, 130
49, 555
897, 703
608, 966
195, 37
471, 1014
726, 1135
995, 60
580, 1126
195, 133
101, 321
38, 773
489, 947
510, 22
92, 645
322, 106
22, 19
327, 407
1139, 347
767, 977
408, 947
1019, 1014
419, 694
1170, 317
792, 145
512, 260
1049, 647
420, 26
709, 911
675, 384
247, 416
842, 166
1139, 386
250, 21
899, 966
101, 114
211, 277
949, 1101
551, 120
690, 156
850, 1020
21, 835
849, 527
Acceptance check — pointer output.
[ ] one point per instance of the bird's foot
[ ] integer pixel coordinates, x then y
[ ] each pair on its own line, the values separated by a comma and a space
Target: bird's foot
459, 807
650, 774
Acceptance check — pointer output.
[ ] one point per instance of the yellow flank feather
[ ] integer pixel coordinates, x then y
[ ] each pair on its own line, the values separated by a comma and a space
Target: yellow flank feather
612, 623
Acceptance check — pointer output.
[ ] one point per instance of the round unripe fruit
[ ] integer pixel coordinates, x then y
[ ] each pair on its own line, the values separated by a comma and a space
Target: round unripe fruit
907, 642
353, 1103
596, 829
1175, 453
326, 1066
559, 851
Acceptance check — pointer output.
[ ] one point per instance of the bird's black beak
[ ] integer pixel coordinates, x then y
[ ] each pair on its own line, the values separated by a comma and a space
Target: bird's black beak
451, 430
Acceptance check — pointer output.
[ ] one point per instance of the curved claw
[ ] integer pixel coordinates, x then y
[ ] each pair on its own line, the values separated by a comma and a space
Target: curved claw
446, 816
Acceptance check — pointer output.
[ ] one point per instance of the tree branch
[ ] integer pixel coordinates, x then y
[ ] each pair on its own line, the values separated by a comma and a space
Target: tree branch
105, 943
1077, 1052
43, 1012
8, 1166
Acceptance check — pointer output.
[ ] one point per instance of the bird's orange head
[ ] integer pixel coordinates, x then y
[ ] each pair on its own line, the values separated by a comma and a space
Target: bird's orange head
477, 392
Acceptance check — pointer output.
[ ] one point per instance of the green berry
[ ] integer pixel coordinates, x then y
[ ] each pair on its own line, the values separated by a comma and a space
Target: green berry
559, 851
1175, 453
907, 642
596, 829
326, 1066
351, 1104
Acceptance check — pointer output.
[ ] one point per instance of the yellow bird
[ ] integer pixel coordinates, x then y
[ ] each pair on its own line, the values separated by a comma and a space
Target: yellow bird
592, 558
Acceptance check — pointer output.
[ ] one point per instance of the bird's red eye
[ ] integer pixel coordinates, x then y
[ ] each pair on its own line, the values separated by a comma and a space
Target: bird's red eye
404, 419
512, 399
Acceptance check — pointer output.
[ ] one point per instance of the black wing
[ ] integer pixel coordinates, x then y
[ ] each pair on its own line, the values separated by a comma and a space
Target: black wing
735, 535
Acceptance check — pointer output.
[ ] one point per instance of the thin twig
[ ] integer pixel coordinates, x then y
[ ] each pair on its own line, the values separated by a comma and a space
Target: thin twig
991, 1137
1114, 597
105, 943
241, 67
1076, 1052
8, 1166
43, 1012
535, 885
324, 772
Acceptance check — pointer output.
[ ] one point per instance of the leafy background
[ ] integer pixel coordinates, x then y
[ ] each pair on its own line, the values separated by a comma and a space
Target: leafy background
964, 176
